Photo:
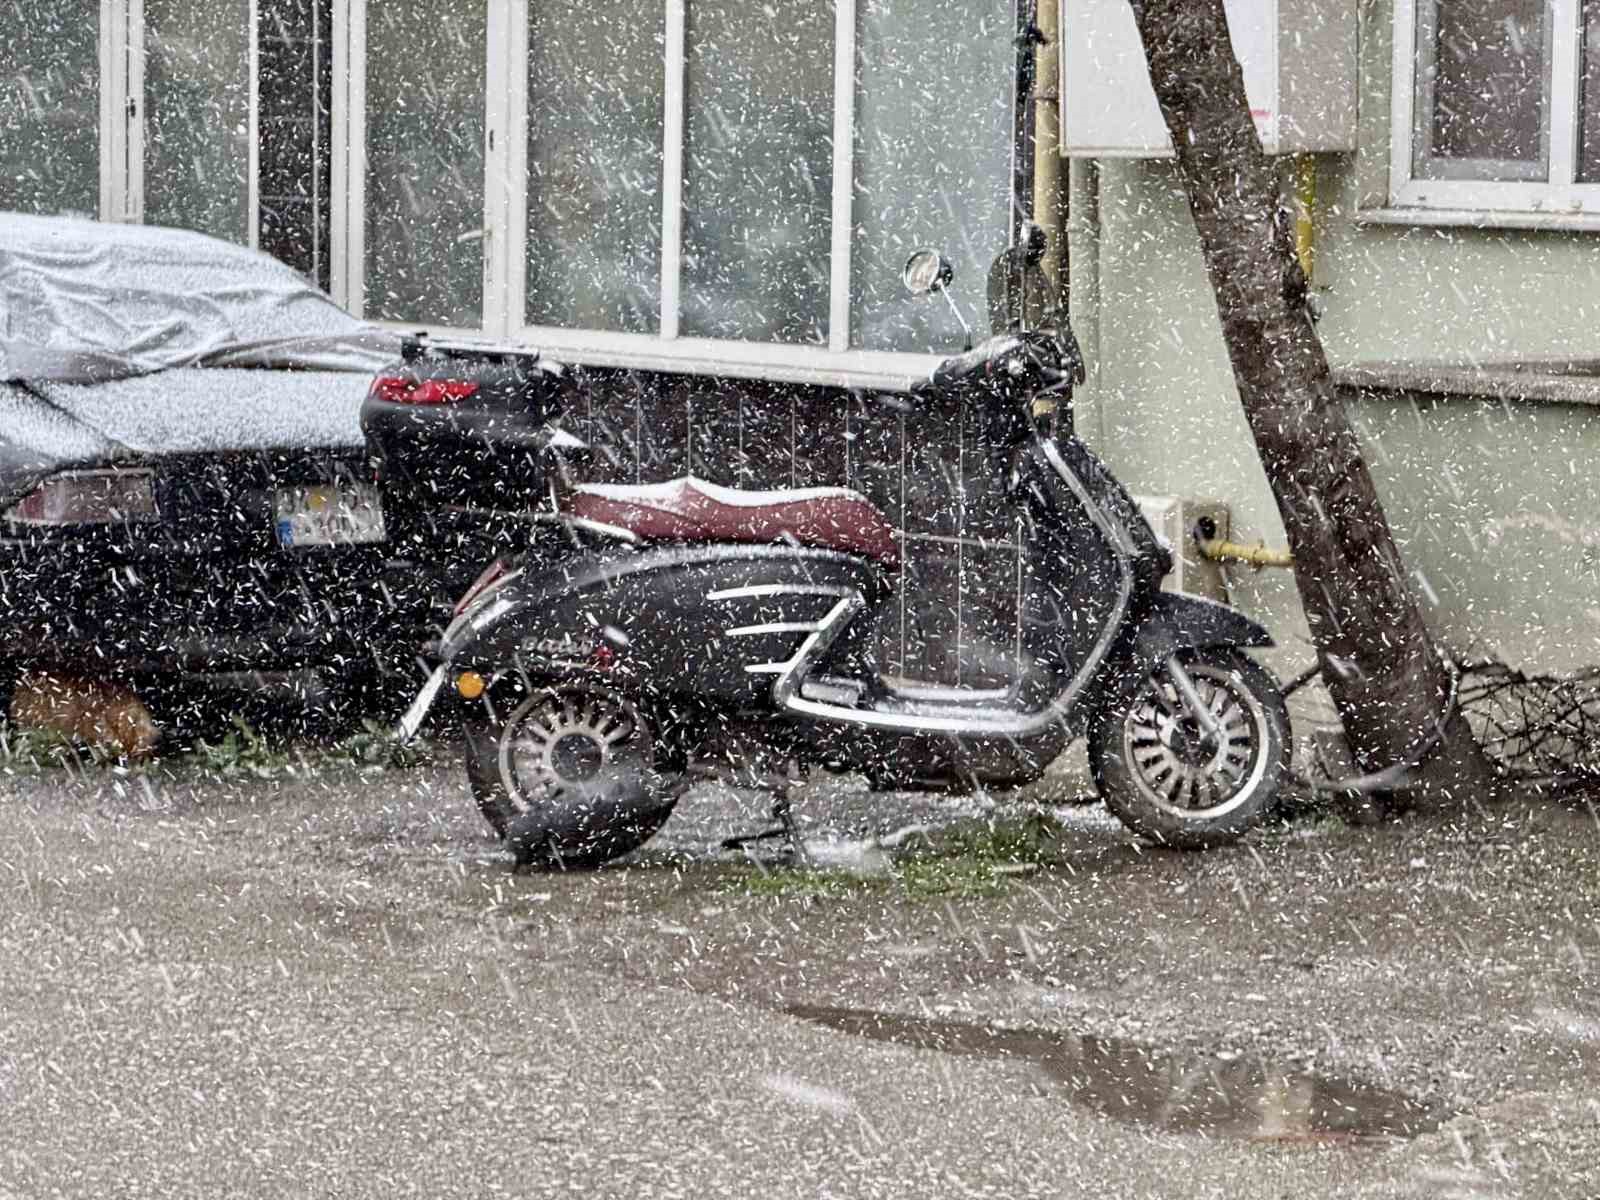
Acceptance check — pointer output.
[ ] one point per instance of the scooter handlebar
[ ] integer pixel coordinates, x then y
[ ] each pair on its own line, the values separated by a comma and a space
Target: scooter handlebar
976, 361
1052, 353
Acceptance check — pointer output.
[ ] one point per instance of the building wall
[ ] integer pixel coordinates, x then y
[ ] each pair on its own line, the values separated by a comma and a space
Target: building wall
1495, 503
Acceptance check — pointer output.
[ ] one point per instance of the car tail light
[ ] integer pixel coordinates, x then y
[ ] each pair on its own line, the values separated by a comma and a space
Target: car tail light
397, 389
87, 498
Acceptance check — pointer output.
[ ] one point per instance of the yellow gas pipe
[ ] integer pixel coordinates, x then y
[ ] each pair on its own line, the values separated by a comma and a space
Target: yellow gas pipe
1221, 550
1305, 208
1305, 195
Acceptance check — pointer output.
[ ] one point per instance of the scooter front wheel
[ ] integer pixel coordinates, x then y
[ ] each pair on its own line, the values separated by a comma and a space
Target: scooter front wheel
1187, 781
568, 778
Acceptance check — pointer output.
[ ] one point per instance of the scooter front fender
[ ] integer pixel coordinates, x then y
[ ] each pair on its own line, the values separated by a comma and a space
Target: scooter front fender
1171, 621
485, 607
1176, 621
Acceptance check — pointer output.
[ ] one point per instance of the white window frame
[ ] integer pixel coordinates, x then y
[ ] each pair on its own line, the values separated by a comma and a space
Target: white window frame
834, 364
506, 195
122, 110
347, 183
123, 114
501, 239
1556, 200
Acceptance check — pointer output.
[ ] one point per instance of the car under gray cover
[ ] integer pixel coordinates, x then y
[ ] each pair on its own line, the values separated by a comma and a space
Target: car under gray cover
111, 337
231, 382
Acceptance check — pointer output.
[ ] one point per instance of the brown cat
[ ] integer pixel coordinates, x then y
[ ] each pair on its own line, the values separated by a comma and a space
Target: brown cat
91, 712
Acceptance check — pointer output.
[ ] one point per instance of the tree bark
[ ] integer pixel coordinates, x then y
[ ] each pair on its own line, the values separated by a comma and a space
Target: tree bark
1390, 685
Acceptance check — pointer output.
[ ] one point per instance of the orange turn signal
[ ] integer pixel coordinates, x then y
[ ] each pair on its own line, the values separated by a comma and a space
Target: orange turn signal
470, 684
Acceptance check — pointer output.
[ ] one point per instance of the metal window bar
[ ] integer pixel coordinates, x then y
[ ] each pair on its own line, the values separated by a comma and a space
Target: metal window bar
253, 128
844, 137
672, 168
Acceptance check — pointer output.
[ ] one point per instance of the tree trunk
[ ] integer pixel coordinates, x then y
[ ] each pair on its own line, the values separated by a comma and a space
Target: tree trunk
1390, 685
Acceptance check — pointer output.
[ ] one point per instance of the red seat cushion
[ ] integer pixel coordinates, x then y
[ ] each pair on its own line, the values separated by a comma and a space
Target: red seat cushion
691, 510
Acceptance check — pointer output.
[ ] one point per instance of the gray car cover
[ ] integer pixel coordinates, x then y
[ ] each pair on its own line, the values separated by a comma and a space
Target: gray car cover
119, 340
87, 301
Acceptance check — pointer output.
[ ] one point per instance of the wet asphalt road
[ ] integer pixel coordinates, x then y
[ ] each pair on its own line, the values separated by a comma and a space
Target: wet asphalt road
333, 985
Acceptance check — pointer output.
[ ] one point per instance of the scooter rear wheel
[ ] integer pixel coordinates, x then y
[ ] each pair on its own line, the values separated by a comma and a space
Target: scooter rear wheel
569, 778
1172, 781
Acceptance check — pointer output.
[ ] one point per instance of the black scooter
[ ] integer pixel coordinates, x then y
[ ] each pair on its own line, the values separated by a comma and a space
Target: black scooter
654, 633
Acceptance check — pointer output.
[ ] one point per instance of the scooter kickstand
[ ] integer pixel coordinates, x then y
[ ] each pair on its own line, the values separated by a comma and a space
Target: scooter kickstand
787, 828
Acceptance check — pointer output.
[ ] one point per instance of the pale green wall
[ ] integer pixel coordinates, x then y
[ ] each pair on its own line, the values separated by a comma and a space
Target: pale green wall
1497, 505
1161, 405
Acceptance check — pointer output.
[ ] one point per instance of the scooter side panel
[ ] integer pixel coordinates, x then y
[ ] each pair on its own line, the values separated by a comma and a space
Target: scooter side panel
1073, 582
717, 623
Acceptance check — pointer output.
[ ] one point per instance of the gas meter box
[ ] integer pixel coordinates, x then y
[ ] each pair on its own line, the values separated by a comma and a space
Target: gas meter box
1299, 62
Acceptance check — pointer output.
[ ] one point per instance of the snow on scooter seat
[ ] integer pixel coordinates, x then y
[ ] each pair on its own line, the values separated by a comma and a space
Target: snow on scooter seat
690, 509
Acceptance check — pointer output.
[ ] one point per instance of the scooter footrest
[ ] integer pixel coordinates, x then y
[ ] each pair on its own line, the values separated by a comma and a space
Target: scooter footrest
830, 689
739, 841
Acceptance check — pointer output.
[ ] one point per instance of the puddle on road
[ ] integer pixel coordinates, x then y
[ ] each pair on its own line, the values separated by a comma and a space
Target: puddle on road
1170, 1090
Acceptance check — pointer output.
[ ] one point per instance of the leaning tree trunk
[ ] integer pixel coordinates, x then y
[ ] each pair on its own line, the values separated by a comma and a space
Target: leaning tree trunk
1390, 686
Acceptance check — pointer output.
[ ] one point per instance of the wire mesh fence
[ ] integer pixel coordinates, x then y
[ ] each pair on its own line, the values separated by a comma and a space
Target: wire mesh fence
1534, 726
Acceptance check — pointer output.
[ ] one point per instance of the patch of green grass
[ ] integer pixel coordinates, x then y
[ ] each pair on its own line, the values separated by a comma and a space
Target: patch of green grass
799, 881
968, 860
950, 878
245, 751
377, 745
980, 858
1307, 825
242, 751
24, 749
1034, 838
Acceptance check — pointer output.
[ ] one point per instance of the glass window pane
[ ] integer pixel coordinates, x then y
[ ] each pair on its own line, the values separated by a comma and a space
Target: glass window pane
1589, 96
296, 93
50, 106
197, 115
933, 162
1484, 89
595, 107
425, 131
758, 170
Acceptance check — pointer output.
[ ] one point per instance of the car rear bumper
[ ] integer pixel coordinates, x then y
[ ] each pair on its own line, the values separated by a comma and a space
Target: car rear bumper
208, 583
333, 606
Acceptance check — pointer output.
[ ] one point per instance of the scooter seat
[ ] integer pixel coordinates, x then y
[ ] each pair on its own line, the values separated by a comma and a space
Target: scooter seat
691, 510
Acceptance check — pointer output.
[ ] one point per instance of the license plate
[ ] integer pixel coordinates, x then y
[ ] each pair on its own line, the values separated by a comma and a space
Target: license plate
328, 514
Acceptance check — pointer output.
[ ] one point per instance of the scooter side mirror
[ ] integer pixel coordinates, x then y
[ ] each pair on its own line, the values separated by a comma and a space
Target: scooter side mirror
927, 271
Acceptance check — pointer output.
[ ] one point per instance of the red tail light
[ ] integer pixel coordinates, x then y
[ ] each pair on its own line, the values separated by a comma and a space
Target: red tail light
397, 389
88, 498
